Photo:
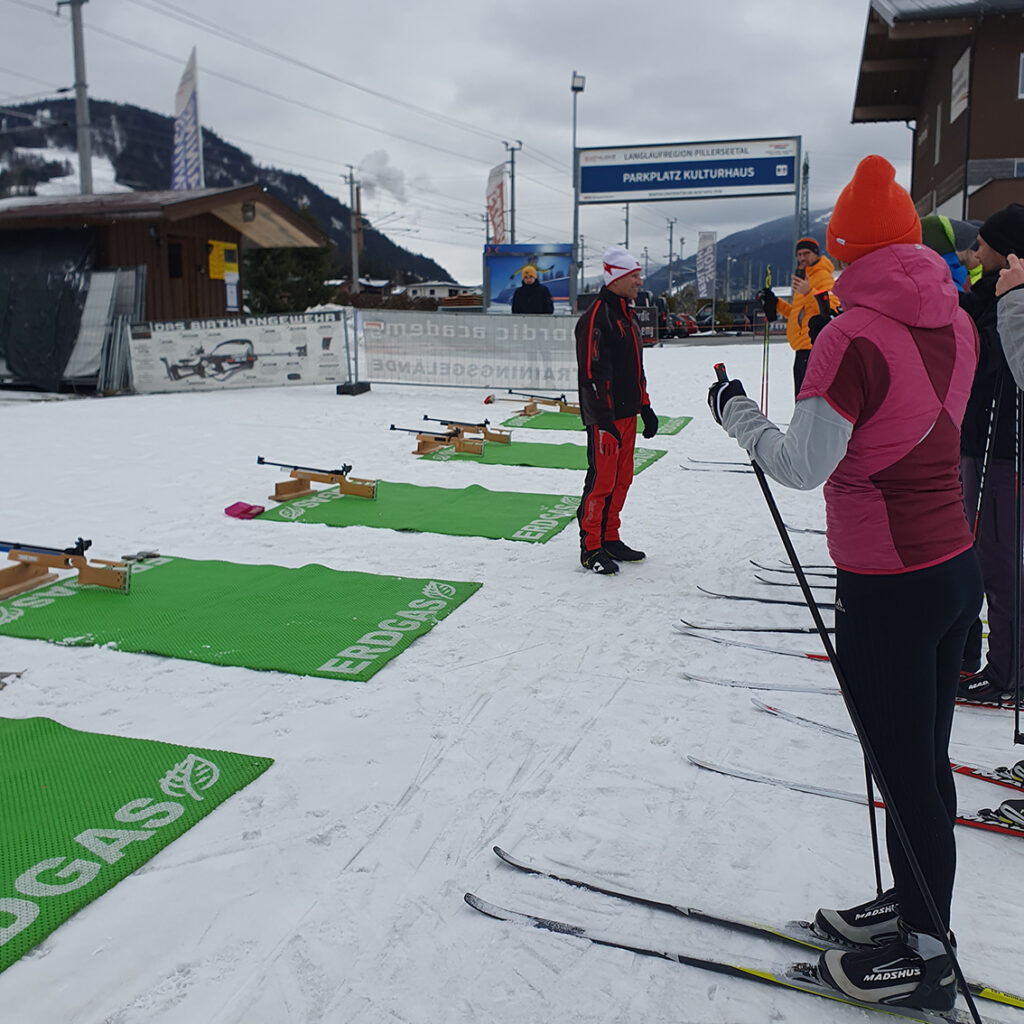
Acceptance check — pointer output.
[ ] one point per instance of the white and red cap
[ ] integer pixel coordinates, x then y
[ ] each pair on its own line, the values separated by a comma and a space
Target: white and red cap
618, 262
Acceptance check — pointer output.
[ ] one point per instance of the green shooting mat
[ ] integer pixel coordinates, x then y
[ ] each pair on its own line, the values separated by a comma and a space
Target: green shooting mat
544, 456
572, 421
466, 512
83, 810
310, 621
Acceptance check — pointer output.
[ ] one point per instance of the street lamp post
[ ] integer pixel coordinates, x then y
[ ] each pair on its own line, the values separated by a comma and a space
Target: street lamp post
577, 84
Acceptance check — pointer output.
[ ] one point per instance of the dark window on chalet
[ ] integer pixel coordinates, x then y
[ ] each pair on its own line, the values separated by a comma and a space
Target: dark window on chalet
174, 259
1020, 78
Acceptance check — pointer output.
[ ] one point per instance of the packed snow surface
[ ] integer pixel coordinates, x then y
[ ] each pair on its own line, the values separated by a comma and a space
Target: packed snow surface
548, 715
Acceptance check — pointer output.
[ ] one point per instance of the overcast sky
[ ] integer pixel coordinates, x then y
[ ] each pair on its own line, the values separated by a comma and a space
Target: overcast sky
420, 98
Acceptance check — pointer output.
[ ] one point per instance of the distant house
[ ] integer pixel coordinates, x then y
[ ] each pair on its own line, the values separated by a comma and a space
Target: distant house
438, 290
953, 70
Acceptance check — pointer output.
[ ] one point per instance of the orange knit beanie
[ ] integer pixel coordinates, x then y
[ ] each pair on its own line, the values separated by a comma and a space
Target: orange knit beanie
871, 212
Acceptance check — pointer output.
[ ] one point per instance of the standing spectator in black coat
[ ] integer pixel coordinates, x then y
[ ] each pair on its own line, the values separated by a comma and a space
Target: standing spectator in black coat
531, 296
992, 408
612, 391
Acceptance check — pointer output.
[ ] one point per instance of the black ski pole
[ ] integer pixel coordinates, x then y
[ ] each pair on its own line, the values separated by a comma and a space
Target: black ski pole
869, 754
1017, 564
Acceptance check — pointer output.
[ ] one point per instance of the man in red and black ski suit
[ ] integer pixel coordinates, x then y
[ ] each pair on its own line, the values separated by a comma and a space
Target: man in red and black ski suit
612, 390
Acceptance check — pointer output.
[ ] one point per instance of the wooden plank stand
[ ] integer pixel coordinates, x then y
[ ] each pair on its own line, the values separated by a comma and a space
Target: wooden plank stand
32, 567
300, 477
427, 443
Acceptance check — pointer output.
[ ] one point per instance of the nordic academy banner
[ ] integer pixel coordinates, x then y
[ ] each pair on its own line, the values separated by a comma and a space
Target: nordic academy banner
690, 170
409, 347
84, 810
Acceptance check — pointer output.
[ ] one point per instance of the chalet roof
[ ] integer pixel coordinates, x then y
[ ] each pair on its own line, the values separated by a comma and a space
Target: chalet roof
899, 40
259, 216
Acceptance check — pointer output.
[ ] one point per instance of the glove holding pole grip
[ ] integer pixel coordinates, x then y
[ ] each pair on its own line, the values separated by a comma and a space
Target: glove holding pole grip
769, 303
722, 391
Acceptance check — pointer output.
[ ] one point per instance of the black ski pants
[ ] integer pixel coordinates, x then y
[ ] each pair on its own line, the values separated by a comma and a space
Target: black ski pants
900, 641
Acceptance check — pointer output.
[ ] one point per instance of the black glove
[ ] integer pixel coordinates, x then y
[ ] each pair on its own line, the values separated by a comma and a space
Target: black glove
721, 392
769, 303
816, 324
608, 426
650, 421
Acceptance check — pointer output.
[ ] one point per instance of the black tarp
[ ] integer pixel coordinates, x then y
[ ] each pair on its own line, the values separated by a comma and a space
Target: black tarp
44, 278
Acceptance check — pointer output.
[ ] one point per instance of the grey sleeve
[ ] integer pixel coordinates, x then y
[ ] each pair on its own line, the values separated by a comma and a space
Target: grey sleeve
1011, 332
805, 455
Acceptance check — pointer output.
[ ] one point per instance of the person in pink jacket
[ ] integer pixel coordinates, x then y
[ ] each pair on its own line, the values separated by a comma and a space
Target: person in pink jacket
878, 421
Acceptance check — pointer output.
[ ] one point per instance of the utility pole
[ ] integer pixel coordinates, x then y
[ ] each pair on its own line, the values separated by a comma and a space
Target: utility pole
581, 285
353, 228
82, 123
625, 244
511, 149
646, 266
671, 224
577, 84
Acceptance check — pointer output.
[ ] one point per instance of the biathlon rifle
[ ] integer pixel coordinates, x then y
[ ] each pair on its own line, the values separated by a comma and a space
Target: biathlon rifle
298, 485
437, 435
344, 471
33, 562
428, 441
485, 430
465, 424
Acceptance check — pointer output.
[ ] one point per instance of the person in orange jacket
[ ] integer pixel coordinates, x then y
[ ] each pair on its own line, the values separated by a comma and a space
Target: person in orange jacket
812, 296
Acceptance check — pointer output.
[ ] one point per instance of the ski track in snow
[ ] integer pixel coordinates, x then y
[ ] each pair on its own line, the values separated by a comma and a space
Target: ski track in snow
546, 715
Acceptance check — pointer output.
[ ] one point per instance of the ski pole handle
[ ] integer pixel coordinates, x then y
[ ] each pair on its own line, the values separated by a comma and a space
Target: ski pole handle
720, 372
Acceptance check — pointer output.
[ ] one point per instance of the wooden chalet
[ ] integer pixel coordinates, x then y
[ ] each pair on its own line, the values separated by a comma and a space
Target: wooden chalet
953, 70
181, 237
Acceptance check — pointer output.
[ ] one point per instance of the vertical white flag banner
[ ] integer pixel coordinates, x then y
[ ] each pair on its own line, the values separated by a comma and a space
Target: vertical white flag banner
496, 203
187, 161
706, 264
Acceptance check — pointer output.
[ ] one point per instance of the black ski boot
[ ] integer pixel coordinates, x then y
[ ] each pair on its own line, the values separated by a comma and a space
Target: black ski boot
621, 553
978, 687
913, 970
1012, 811
873, 923
599, 561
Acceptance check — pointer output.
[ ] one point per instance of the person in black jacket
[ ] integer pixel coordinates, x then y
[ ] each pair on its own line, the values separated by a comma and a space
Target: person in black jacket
531, 296
992, 408
612, 390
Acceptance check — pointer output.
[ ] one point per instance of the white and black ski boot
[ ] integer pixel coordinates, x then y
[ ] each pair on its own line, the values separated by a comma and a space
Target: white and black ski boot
913, 970
868, 924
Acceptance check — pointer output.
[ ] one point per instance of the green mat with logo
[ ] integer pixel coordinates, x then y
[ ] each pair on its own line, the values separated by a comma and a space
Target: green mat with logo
572, 421
466, 512
310, 621
542, 456
83, 810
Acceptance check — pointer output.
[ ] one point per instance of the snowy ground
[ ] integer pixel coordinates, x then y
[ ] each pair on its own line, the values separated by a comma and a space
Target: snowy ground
547, 715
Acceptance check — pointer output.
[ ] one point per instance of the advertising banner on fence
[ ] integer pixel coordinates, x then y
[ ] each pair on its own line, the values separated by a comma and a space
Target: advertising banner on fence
689, 170
503, 272
496, 203
706, 248
241, 352
472, 349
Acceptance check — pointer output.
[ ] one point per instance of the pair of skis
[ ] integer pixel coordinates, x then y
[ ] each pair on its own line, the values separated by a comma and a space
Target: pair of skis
794, 977
697, 632
1011, 778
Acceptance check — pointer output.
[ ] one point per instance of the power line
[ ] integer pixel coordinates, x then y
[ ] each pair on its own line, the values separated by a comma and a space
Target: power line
170, 11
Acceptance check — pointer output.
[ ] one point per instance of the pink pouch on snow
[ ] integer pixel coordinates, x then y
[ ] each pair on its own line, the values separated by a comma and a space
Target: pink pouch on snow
243, 510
